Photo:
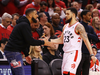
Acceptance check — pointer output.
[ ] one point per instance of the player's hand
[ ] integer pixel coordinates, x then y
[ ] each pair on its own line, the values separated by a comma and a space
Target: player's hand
47, 43
28, 59
93, 59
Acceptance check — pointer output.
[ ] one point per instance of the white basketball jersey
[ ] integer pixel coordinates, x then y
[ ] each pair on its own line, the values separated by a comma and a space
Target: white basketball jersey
72, 41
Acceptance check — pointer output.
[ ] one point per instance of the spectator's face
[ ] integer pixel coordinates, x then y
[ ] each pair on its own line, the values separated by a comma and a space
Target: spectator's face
97, 22
6, 21
50, 2
43, 8
34, 26
80, 5
58, 11
75, 5
69, 0
46, 30
37, 2
44, 17
91, 9
14, 20
88, 16
38, 49
3, 45
94, 51
95, 14
56, 19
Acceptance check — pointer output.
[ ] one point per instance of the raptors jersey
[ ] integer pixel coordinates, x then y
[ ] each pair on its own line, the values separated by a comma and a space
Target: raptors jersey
72, 41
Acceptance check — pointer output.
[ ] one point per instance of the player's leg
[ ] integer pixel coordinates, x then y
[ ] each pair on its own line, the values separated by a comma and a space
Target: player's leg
70, 62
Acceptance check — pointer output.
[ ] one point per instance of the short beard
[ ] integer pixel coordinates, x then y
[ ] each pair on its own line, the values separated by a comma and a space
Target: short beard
69, 20
34, 20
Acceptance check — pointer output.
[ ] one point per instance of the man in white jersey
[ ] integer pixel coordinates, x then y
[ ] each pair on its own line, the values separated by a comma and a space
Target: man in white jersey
73, 33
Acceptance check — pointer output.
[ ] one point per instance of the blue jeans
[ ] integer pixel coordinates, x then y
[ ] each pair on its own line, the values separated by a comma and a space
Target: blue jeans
16, 62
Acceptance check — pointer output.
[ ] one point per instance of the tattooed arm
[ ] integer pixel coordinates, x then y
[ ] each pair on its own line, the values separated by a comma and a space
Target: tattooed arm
81, 31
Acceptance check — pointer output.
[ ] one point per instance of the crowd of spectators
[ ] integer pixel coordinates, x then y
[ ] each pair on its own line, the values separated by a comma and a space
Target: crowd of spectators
50, 22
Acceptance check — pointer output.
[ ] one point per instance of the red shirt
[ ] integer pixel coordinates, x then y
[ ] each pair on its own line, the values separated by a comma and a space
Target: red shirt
93, 66
10, 8
4, 33
10, 28
35, 35
31, 5
98, 34
61, 4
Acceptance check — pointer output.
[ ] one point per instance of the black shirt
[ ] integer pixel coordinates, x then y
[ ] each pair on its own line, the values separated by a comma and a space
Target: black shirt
21, 37
91, 36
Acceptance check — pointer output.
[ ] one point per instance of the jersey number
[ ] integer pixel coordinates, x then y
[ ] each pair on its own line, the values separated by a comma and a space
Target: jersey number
66, 38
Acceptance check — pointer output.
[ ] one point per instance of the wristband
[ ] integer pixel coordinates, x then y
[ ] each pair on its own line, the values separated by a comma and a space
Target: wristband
91, 55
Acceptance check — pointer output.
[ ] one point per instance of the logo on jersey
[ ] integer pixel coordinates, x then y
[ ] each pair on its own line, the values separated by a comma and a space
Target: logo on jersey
73, 65
67, 38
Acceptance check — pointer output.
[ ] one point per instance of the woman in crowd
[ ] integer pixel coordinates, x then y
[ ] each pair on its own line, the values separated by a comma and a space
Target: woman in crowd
50, 53
35, 52
96, 26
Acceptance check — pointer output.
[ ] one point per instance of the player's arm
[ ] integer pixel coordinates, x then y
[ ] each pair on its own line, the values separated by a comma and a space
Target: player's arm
81, 30
58, 40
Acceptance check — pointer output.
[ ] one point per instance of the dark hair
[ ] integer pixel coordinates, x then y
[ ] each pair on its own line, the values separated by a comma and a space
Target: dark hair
40, 15
43, 3
84, 12
3, 40
73, 10
53, 4
94, 46
29, 10
14, 15
52, 33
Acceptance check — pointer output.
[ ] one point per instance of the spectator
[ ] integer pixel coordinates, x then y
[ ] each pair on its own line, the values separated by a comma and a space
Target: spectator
3, 42
89, 7
95, 13
35, 31
51, 52
85, 61
57, 28
96, 26
6, 20
80, 5
68, 3
51, 6
35, 52
94, 66
75, 5
61, 4
43, 6
55, 24
43, 19
57, 10
94, 2
8, 5
35, 4
15, 17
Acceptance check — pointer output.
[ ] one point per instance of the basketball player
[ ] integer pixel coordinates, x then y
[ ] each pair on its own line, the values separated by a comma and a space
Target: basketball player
73, 33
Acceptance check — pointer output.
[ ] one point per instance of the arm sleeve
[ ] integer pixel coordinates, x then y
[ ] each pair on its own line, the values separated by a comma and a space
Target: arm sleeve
93, 35
26, 32
26, 52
